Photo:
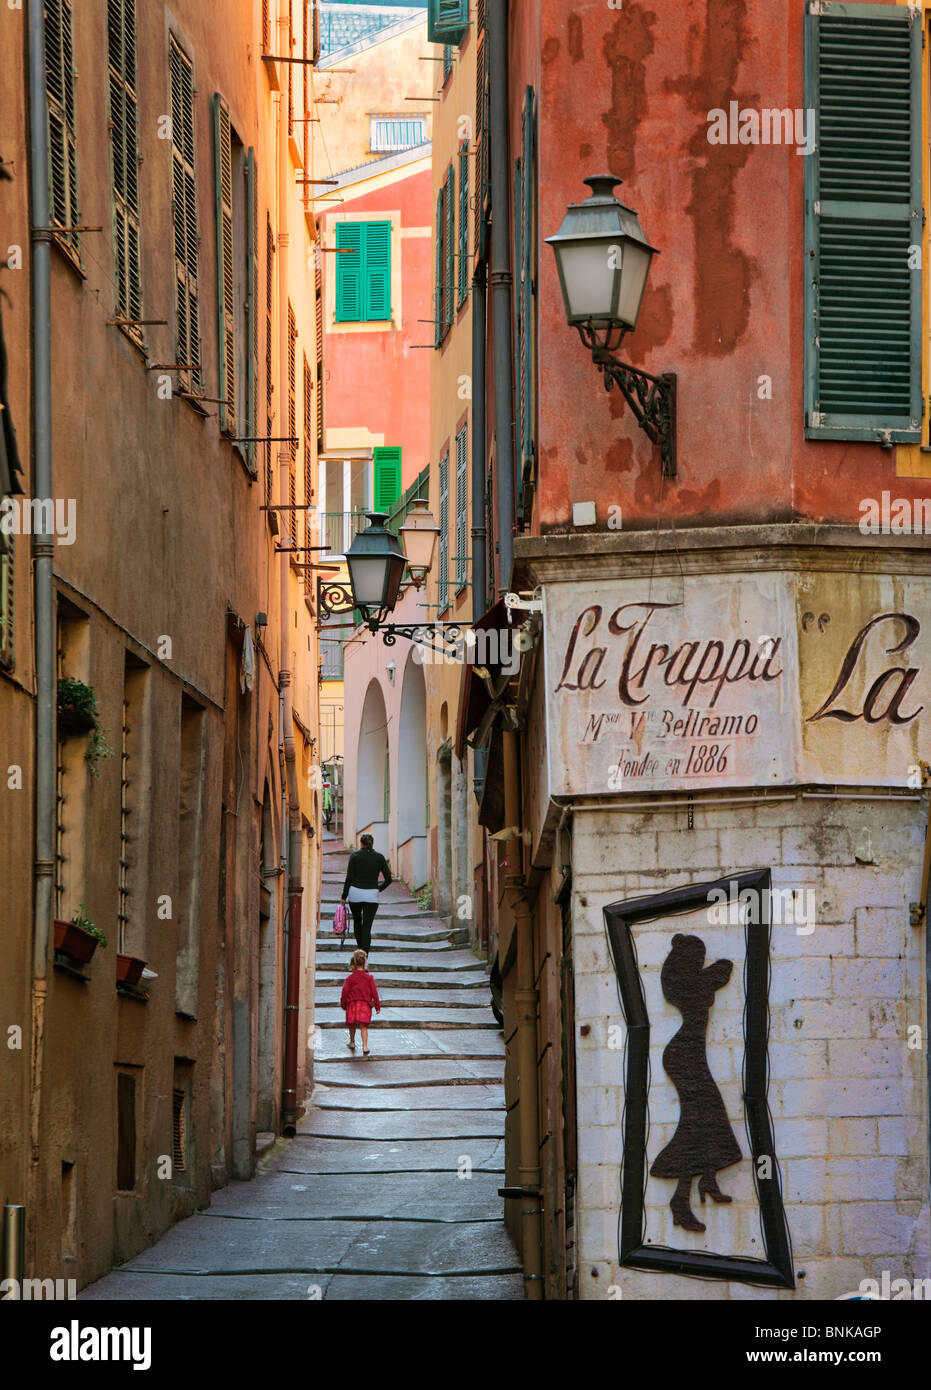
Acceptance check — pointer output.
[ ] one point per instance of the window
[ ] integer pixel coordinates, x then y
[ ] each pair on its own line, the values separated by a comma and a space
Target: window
178, 1131
363, 272
192, 768
308, 472
462, 267
863, 216
443, 571
292, 427
447, 62
234, 197
524, 294
391, 133
126, 1131
447, 20
269, 380
482, 183
184, 216
124, 152
386, 469
59, 82
318, 279
135, 809
445, 234
226, 284
462, 450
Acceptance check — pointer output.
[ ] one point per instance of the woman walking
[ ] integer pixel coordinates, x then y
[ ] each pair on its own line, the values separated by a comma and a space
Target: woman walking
362, 888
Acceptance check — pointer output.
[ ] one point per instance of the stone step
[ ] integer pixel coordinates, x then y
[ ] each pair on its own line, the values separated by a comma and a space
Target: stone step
312, 1154
445, 1019
402, 1045
450, 961
328, 997
374, 1129
412, 933
485, 1099
385, 942
374, 1075
435, 1197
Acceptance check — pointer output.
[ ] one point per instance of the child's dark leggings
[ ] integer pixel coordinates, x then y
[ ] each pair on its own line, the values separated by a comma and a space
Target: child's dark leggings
363, 915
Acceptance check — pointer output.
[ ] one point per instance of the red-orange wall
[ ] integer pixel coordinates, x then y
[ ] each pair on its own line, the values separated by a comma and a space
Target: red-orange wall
627, 91
378, 381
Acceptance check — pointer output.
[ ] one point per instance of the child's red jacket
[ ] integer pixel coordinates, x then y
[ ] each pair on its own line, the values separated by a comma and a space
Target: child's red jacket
359, 996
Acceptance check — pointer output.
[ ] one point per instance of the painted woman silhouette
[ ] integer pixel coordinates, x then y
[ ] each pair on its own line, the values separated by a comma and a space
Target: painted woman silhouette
704, 1141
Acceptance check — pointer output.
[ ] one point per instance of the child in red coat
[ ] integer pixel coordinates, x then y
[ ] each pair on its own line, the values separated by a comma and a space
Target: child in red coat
358, 996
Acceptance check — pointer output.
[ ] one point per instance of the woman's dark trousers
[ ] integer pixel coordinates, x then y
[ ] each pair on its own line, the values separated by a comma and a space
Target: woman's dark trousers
363, 915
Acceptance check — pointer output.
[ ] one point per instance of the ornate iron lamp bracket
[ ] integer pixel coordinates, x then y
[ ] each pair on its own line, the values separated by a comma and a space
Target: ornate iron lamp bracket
651, 398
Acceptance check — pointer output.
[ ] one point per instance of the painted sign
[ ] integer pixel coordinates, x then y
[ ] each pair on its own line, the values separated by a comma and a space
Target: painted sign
735, 680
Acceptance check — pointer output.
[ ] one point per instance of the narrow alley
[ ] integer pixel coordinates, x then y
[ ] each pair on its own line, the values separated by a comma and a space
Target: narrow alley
390, 1189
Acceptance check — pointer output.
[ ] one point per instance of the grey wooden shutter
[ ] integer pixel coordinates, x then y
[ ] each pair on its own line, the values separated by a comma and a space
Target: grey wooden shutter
62, 145
124, 154
226, 298
184, 215
863, 216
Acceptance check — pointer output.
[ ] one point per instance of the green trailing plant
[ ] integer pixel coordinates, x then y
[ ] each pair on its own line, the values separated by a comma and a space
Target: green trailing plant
81, 919
74, 695
425, 897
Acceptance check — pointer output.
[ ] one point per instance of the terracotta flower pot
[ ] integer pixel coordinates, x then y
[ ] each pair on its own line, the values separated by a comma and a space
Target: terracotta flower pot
72, 720
74, 941
129, 969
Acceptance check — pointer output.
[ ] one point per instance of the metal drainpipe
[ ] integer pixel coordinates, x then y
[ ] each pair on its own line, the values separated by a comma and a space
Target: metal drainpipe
526, 1001
290, 1106
43, 550
479, 531
501, 283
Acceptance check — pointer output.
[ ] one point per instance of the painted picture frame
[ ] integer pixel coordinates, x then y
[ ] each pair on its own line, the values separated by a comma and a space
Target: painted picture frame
776, 1269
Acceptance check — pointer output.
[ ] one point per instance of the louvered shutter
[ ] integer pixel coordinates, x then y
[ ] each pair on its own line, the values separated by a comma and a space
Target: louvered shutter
308, 496
863, 214
439, 309
449, 241
527, 266
292, 423
349, 272
518, 308
184, 214
462, 269
124, 153
443, 572
318, 282
252, 318
447, 20
62, 151
376, 268
386, 466
7, 650
461, 505
226, 299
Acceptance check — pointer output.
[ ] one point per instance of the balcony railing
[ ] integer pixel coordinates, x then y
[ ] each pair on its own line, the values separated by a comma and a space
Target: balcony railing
337, 530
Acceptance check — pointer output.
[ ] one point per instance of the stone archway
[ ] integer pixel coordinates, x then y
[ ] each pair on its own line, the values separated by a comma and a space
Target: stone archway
372, 779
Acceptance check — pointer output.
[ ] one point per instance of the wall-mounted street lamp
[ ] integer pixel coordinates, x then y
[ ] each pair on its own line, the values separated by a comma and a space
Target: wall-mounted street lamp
376, 561
603, 259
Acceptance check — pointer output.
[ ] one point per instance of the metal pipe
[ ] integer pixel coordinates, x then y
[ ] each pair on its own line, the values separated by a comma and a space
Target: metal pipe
43, 551
13, 1251
501, 278
290, 1106
479, 532
526, 1001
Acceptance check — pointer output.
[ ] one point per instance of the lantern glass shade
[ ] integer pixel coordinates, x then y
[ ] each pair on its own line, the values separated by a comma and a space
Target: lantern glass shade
376, 563
602, 258
418, 537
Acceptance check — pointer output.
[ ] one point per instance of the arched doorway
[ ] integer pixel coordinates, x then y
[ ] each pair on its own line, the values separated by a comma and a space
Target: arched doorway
373, 782
412, 776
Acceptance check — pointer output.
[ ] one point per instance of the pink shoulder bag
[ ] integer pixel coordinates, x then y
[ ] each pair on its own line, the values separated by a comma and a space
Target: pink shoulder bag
340, 919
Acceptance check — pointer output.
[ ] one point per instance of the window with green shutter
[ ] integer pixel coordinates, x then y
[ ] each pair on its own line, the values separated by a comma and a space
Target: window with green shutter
386, 481
62, 144
449, 240
184, 216
252, 318
462, 440
863, 221
226, 296
442, 594
439, 301
363, 272
124, 157
462, 268
447, 20
447, 62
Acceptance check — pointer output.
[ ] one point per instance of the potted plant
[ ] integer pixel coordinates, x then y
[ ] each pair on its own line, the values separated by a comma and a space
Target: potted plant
128, 970
78, 714
78, 938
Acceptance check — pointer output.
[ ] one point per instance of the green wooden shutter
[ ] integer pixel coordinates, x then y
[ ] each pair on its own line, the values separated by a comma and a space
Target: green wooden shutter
252, 319
462, 276
439, 311
349, 271
387, 480
449, 240
461, 505
226, 298
442, 596
527, 266
863, 214
376, 267
447, 20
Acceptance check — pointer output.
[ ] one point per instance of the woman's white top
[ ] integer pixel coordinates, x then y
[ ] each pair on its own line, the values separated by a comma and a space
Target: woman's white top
362, 895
